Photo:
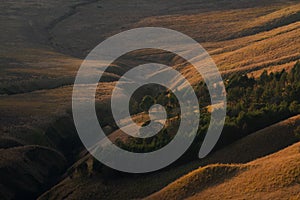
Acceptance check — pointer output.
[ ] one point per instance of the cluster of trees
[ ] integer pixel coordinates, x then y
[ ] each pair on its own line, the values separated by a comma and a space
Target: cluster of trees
256, 103
140, 145
167, 99
252, 104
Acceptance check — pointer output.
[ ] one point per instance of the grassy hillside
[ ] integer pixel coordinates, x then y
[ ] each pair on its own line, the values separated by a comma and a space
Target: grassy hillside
272, 177
27, 171
247, 35
105, 184
44, 42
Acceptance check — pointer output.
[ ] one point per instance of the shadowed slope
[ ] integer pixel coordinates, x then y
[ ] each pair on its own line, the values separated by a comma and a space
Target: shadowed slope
26, 171
271, 177
138, 186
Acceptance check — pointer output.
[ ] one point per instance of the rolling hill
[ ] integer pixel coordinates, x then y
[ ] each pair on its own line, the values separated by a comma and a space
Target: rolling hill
42, 46
272, 177
94, 185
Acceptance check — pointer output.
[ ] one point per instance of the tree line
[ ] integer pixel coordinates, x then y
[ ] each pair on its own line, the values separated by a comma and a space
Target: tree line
252, 104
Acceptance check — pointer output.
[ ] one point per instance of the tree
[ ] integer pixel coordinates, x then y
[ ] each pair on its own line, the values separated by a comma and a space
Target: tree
294, 107
146, 103
264, 77
134, 107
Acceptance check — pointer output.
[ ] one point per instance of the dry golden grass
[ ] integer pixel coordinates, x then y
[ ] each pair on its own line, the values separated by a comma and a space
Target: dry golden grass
272, 177
210, 26
240, 35
28, 70
258, 53
263, 37
254, 146
197, 180
34, 65
273, 69
274, 47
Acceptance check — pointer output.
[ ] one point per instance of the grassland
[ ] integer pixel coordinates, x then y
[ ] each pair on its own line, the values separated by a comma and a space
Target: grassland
42, 44
30, 166
93, 185
273, 177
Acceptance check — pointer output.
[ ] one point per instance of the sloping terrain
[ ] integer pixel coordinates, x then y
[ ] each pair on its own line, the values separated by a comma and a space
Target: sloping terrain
272, 177
32, 63
93, 184
42, 44
34, 48
27, 171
